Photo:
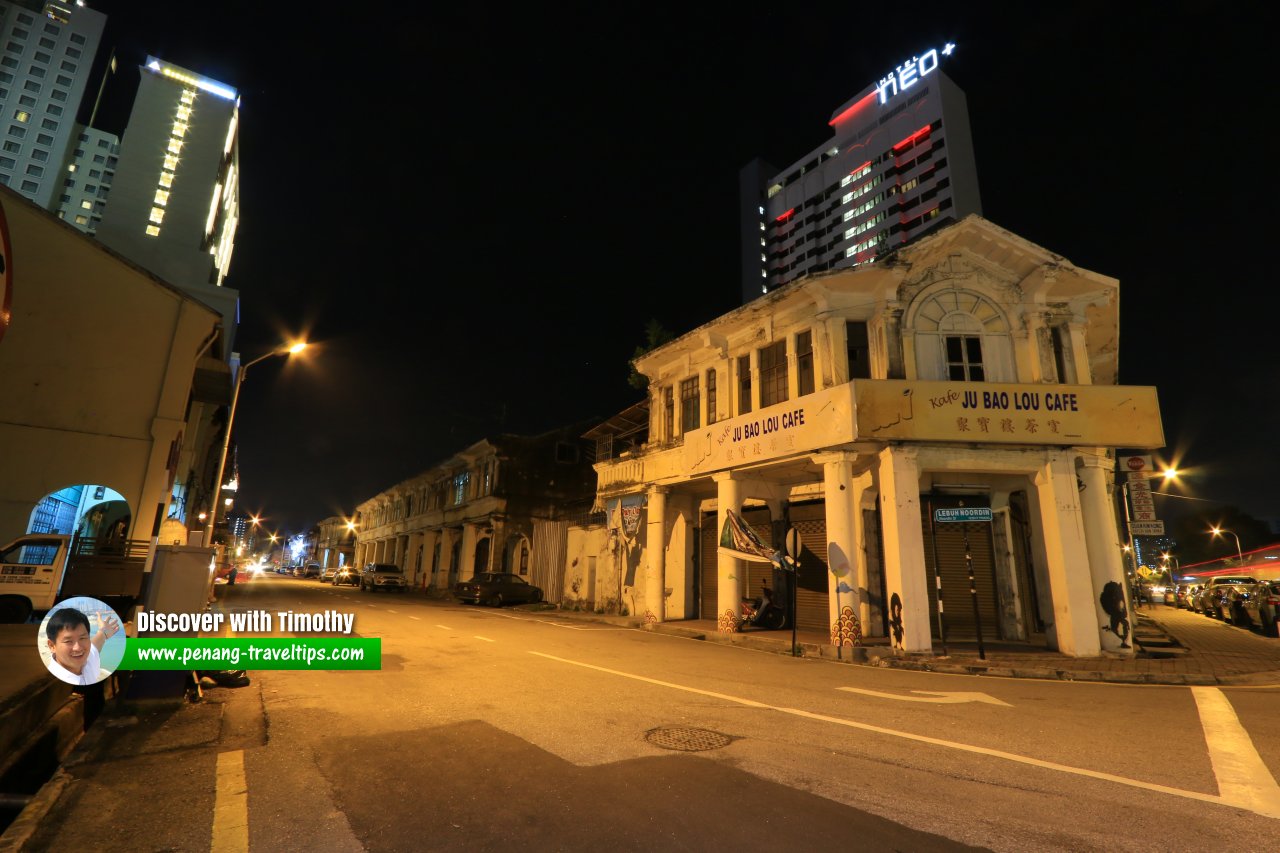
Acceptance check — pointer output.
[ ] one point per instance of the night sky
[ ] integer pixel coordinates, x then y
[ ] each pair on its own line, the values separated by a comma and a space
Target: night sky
475, 212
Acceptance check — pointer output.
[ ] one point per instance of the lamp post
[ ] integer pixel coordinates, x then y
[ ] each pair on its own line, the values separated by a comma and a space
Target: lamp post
226, 439
1218, 531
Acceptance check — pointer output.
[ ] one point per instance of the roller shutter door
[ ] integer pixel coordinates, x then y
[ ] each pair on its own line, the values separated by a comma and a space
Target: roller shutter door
955, 574
813, 589
709, 583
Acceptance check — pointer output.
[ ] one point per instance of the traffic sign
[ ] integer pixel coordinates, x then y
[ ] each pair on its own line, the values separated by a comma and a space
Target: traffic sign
964, 513
1146, 528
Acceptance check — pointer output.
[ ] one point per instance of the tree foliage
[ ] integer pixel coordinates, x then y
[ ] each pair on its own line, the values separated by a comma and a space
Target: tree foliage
655, 335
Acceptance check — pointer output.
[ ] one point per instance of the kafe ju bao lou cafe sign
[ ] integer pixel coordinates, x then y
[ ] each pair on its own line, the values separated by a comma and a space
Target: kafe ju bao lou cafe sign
988, 412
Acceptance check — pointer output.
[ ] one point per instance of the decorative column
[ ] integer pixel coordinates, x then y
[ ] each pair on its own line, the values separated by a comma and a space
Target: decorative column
906, 582
1066, 556
844, 592
655, 581
1106, 565
729, 587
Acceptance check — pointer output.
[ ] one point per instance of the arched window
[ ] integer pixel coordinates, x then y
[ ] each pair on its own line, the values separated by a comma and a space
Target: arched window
961, 336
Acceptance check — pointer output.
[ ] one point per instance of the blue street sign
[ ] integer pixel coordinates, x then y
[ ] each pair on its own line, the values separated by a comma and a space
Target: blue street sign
964, 513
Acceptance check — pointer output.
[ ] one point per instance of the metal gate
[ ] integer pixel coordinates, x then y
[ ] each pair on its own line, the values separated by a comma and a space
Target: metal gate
951, 566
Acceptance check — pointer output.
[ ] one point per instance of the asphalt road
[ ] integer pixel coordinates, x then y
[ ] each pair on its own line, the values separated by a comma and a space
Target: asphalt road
490, 729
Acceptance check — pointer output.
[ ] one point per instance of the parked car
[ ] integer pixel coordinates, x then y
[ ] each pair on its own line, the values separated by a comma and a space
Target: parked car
1184, 593
1209, 601
327, 574
1262, 607
311, 570
496, 589
382, 576
347, 576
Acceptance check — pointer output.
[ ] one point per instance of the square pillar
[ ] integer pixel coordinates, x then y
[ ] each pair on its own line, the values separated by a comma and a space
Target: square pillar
1067, 557
729, 494
656, 554
467, 556
906, 582
846, 559
1106, 565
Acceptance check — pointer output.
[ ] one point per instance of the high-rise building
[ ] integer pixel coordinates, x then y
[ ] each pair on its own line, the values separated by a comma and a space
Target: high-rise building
46, 53
90, 171
899, 165
174, 203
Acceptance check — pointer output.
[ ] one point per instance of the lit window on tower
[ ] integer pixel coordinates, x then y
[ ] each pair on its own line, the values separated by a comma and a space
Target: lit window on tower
157, 215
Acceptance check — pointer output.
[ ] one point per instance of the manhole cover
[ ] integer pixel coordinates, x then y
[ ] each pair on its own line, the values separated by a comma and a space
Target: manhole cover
687, 739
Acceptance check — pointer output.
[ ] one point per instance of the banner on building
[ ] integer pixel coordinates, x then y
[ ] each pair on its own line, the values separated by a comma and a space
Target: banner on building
811, 422
995, 413
626, 519
737, 539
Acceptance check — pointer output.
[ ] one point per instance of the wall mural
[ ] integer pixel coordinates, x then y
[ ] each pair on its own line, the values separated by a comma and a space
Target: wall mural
1112, 601
895, 622
847, 631
626, 517
727, 623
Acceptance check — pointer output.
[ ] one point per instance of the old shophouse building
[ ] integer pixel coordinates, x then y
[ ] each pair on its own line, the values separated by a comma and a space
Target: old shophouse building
500, 505
971, 370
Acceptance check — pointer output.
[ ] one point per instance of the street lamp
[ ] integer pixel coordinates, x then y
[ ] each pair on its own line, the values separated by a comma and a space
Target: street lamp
1218, 531
226, 439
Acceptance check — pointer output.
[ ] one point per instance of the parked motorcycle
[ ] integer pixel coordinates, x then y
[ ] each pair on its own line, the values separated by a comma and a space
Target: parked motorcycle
762, 612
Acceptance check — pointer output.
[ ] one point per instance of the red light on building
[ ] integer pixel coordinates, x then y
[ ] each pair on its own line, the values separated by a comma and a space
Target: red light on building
849, 113
922, 133
785, 215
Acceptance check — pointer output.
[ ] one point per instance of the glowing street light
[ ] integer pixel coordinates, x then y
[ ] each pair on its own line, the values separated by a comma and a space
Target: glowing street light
231, 417
1218, 531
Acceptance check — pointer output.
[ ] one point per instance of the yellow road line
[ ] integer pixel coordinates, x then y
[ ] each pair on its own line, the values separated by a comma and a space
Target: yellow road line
231, 805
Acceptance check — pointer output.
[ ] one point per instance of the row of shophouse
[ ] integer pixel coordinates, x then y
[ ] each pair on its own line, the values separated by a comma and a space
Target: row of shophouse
971, 375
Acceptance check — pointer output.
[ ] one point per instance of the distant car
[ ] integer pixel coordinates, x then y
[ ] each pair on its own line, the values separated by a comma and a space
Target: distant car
327, 574
347, 576
384, 576
1262, 607
311, 570
496, 589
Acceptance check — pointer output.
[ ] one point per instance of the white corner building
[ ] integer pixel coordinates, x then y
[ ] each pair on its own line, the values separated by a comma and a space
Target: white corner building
969, 375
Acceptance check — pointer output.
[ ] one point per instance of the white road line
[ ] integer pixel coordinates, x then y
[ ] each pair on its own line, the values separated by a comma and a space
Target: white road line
486, 639
1242, 777
389, 610
230, 805
963, 747
446, 627
415, 618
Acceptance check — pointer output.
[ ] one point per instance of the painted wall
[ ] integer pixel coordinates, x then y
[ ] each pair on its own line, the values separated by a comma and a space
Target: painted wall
95, 371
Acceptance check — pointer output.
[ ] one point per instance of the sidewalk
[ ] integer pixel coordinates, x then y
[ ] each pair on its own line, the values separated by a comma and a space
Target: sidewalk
1171, 647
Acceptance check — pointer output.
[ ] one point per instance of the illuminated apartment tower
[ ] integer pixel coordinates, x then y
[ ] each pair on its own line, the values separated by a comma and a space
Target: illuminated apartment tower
174, 202
899, 164
46, 53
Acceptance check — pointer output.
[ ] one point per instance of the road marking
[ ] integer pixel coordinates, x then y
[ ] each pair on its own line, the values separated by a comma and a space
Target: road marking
1242, 777
230, 805
389, 610
938, 697
446, 627
415, 618
486, 639
962, 747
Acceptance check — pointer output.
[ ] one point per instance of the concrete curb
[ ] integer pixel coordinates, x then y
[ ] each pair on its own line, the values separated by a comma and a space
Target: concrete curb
875, 656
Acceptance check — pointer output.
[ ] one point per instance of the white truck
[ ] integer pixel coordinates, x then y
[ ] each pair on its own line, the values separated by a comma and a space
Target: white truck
40, 569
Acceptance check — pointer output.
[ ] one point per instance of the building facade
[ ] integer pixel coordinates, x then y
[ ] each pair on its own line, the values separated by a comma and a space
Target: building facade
500, 505
174, 204
899, 165
956, 399
335, 544
46, 55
